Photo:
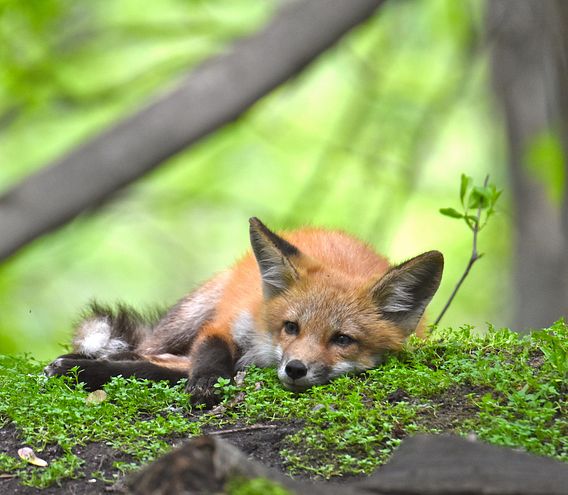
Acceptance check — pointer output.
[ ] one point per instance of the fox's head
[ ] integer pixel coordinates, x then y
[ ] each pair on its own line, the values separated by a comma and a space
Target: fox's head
326, 323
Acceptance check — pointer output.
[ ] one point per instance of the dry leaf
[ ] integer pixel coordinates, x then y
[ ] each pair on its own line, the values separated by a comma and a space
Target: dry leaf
218, 410
28, 455
96, 397
240, 378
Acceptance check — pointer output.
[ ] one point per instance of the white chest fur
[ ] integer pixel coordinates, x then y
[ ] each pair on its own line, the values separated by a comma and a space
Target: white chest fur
257, 345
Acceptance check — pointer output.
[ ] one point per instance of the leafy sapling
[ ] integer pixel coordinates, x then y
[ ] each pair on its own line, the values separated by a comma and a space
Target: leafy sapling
472, 198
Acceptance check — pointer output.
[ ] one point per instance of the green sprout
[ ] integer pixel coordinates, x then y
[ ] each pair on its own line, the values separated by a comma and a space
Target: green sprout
472, 198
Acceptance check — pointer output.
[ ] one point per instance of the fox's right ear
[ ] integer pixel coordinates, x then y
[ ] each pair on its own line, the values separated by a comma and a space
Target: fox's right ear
274, 257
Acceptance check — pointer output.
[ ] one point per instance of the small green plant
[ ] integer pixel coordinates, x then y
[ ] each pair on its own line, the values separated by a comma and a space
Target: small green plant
254, 486
554, 348
478, 206
225, 388
9, 463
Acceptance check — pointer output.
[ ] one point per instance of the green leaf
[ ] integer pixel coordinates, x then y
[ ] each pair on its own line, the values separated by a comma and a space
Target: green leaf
495, 195
480, 197
544, 159
464, 186
450, 212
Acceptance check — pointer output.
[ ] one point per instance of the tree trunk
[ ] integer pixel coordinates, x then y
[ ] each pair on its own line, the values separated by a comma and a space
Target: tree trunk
529, 40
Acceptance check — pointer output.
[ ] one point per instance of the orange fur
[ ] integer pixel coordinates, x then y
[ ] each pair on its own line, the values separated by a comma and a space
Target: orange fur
180, 363
349, 262
329, 290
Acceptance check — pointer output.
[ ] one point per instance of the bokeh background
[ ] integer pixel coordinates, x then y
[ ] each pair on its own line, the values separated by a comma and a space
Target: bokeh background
371, 138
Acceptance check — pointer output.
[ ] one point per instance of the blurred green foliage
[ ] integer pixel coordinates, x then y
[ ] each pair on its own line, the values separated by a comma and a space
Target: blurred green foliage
372, 138
544, 158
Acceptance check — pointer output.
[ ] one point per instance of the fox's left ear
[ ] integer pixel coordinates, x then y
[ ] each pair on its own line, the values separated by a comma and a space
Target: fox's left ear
403, 293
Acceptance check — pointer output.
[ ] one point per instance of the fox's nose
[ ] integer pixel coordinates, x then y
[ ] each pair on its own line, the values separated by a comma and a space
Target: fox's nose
296, 369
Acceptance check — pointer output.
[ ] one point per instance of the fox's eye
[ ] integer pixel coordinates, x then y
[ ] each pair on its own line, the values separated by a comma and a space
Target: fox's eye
291, 328
342, 340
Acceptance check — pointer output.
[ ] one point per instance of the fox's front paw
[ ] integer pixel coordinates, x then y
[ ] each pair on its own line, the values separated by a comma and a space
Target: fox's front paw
202, 390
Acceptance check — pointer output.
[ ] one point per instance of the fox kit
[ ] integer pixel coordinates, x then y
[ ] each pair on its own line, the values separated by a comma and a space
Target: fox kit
314, 303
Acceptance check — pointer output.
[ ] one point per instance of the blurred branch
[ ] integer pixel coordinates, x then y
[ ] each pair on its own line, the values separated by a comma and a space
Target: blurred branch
214, 94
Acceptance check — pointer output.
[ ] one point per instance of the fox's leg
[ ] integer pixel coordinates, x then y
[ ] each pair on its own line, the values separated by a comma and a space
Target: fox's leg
213, 355
176, 331
96, 372
63, 363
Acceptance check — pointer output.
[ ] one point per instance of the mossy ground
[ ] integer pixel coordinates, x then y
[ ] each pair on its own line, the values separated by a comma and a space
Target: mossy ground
506, 389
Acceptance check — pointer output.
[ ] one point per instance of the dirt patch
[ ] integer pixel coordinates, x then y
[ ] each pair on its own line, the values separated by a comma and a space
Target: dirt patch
97, 457
536, 359
451, 409
262, 441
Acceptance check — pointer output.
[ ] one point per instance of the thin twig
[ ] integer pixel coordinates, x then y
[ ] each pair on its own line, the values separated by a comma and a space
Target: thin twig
474, 257
243, 429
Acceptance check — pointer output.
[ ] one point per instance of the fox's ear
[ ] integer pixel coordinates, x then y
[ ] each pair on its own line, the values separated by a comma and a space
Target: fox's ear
403, 293
274, 257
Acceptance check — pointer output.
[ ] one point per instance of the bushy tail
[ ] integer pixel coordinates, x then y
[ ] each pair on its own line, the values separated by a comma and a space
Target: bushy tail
104, 330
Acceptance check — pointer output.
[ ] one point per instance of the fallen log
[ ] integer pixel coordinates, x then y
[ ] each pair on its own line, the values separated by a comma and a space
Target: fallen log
422, 465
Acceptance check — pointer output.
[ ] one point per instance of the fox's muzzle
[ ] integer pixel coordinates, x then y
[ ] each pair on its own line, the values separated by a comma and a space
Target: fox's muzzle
297, 375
